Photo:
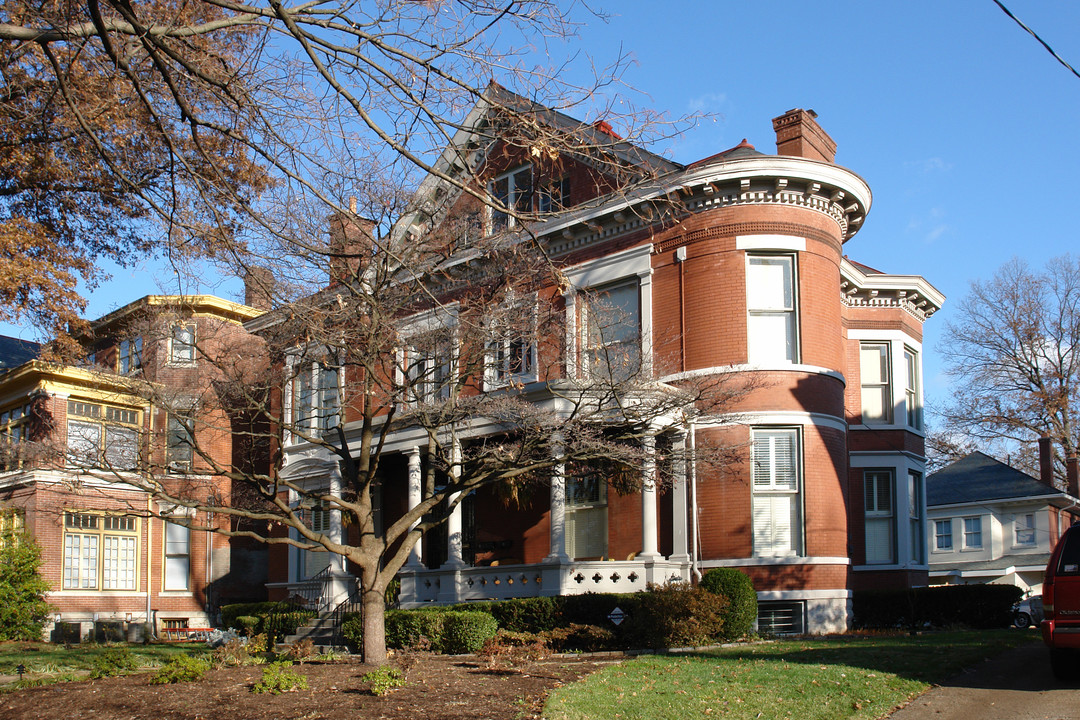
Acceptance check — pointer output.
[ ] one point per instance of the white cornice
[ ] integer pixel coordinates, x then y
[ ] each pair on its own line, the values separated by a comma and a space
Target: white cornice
876, 290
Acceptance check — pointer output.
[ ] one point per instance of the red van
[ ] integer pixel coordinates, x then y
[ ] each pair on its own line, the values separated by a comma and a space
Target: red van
1061, 605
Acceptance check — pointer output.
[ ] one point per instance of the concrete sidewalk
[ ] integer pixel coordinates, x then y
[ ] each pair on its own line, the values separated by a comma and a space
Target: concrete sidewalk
1016, 685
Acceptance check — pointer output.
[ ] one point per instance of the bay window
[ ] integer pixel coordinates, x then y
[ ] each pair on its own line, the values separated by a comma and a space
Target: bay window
100, 436
182, 344
972, 533
911, 389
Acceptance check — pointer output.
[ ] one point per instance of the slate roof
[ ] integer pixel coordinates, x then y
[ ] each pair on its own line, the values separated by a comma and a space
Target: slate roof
14, 352
978, 478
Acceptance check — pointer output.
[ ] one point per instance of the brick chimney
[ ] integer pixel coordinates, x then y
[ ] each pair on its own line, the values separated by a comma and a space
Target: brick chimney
259, 288
799, 135
351, 239
1046, 462
1072, 476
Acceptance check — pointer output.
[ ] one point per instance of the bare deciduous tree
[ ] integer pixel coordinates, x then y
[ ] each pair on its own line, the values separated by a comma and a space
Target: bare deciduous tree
1014, 354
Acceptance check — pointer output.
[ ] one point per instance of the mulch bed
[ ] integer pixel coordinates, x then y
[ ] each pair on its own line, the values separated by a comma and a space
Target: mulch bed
437, 687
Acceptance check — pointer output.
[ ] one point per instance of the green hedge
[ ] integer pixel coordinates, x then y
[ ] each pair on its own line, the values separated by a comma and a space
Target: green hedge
975, 606
738, 588
466, 631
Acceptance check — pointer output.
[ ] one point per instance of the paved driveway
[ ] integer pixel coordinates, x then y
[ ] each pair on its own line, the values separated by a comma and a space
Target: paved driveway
1016, 685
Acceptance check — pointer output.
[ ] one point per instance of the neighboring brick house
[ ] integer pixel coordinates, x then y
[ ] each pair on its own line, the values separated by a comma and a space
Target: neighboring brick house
991, 523
741, 270
77, 442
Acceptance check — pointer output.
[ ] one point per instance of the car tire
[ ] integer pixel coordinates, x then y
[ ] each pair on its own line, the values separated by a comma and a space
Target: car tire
1063, 664
1022, 620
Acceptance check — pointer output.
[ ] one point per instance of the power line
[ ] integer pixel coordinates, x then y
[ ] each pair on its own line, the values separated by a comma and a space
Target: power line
1036, 36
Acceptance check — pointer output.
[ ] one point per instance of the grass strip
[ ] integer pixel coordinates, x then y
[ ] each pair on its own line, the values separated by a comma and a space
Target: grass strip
809, 679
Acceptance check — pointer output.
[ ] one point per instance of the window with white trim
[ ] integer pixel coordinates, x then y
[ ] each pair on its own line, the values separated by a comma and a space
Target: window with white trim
879, 500
911, 389
875, 377
611, 331
510, 356
553, 196
427, 365
182, 344
100, 551
510, 191
586, 517
102, 436
772, 324
316, 403
1024, 529
177, 575
943, 534
916, 528
972, 533
317, 518
776, 473
129, 355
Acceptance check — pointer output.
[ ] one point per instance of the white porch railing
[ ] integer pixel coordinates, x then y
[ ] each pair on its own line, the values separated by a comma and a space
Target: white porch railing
450, 585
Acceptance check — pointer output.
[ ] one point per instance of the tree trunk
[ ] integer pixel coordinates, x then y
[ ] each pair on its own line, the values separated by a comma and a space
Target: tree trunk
373, 607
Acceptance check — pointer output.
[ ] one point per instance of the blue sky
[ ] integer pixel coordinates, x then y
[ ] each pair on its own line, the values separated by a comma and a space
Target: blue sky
961, 123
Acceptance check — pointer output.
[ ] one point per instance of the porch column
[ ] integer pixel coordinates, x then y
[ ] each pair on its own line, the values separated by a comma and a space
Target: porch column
337, 528
557, 516
649, 530
454, 557
416, 555
680, 551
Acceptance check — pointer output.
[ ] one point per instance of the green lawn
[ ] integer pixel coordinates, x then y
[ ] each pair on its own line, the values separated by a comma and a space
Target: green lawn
829, 678
48, 662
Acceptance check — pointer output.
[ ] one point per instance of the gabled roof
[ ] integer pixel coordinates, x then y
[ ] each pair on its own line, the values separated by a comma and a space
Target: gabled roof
979, 478
14, 351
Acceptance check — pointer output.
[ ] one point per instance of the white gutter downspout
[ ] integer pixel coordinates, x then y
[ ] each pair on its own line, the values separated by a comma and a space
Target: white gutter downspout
695, 544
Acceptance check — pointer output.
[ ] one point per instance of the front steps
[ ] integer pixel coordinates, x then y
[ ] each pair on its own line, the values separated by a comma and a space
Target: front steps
320, 630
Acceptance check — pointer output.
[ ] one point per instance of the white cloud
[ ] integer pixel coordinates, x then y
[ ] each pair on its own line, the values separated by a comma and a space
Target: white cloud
709, 102
929, 165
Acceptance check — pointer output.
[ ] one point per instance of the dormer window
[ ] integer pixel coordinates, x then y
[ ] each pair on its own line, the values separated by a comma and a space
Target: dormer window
512, 191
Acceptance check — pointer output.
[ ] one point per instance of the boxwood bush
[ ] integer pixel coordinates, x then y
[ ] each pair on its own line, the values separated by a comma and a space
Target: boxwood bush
466, 631
741, 610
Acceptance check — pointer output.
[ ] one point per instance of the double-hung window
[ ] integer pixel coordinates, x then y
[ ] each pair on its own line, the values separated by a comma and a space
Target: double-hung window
586, 517
511, 193
943, 534
776, 472
99, 551
14, 430
316, 403
772, 325
1024, 526
129, 356
511, 347
180, 441
177, 557
876, 381
911, 389
611, 330
182, 344
428, 370
879, 500
972, 533
553, 196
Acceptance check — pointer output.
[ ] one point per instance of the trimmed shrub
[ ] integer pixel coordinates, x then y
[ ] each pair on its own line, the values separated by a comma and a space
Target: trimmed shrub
975, 606
247, 624
230, 614
530, 615
738, 588
352, 629
674, 615
466, 632
411, 628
